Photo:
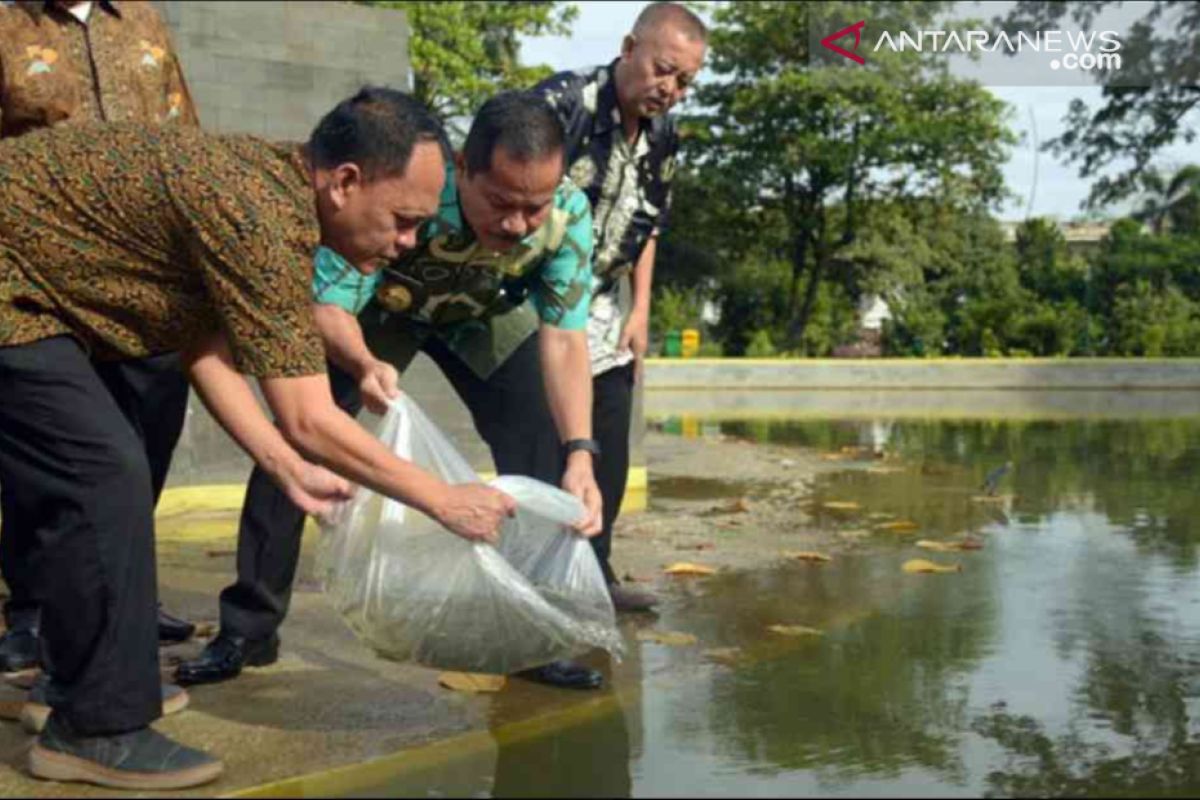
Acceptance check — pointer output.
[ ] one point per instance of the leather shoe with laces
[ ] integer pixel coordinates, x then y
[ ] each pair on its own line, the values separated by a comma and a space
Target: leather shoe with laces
172, 628
564, 674
224, 657
143, 759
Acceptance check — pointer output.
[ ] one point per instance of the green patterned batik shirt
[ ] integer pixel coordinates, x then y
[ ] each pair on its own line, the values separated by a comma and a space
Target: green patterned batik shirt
482, 304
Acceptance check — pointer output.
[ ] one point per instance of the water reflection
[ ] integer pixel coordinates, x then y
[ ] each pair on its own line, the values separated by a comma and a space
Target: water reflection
879, 692
1137, 473
1062, 660
586, 760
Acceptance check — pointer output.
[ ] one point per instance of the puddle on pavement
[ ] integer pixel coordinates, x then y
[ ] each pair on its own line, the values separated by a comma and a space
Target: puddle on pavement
678, 487
1062, 660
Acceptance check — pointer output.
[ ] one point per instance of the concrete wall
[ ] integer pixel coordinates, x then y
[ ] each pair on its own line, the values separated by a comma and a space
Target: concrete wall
964, 373
274, 68
871, 403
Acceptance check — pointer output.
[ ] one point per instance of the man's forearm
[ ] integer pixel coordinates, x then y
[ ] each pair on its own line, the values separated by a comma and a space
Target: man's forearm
227, 395
343, 338
309, 418
567, 375
306, 412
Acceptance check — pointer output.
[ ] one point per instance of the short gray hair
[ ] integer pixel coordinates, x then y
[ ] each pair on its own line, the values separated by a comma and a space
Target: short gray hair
657, 14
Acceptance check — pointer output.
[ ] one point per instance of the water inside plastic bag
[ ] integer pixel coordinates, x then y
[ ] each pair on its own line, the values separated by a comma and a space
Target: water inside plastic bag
416, 592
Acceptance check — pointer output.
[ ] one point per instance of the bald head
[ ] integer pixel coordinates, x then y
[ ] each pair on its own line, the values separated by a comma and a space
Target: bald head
656, 15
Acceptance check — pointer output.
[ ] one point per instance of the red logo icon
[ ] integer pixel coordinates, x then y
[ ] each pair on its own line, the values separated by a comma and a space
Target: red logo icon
856, 29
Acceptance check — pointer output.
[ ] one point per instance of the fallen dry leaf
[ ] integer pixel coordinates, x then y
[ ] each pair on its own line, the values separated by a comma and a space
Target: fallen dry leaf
724, 655
695, 546
899, 526
629, 576
950, 547
670, 638
687, 568
853, 535
474, 682
841, 505
807, 555
833, 457
795, 630
921, 565
991, 498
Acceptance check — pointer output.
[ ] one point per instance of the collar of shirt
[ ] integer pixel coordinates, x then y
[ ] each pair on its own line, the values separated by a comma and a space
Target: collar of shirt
52, 7
608, 108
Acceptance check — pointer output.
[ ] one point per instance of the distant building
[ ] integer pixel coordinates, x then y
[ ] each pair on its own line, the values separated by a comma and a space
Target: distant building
1077, 234
873, 311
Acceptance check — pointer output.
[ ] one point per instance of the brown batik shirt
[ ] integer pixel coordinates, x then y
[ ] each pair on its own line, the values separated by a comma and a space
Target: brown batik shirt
142, 239
117, 67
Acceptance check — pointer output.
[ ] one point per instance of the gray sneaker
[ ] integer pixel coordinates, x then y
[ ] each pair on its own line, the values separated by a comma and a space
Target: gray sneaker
142, 760
35, 711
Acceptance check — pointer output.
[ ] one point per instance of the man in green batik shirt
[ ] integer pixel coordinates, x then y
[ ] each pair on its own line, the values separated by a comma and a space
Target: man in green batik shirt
497, 293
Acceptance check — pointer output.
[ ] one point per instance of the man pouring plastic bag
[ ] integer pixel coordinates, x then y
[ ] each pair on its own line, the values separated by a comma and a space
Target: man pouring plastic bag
415, 594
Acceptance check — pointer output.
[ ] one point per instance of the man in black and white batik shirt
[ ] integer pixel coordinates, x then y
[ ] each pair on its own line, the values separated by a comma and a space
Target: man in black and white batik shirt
621, 149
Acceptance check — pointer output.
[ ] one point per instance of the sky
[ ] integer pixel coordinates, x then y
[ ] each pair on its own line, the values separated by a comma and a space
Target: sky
1037, 111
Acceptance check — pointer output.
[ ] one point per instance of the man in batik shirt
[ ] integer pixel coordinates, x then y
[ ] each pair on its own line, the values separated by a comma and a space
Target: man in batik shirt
621, 149
67, 63
127, 240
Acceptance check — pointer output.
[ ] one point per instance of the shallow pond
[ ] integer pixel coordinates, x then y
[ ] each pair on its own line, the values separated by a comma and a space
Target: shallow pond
1064, 659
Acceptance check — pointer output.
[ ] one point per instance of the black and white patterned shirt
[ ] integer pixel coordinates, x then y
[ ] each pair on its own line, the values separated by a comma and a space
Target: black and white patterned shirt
629, 187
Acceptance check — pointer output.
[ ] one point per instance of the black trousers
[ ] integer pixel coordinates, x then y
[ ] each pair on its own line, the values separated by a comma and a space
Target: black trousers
75, 468
152, 393
508, 409
612, 411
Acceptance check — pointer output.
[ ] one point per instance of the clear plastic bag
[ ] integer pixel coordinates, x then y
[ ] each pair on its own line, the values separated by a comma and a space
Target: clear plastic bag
414, 591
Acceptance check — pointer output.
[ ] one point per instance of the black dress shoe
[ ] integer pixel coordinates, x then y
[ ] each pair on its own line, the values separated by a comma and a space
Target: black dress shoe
626, 600
564, 674
173, 629
224, 657
19, 649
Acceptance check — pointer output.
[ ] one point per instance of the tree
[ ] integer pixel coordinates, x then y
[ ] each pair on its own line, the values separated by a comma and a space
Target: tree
814, 144
1146, 292
1151, 102
1171, 204
464, 52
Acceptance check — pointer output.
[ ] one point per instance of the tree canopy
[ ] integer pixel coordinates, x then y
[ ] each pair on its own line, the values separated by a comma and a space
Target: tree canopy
464, 52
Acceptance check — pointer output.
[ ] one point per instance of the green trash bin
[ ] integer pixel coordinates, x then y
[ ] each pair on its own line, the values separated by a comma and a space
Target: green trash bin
673, 345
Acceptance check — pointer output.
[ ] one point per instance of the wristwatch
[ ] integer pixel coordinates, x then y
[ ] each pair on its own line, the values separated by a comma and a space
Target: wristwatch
587, 445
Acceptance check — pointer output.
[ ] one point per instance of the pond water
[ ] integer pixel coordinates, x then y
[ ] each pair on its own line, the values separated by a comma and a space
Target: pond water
1064, 659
